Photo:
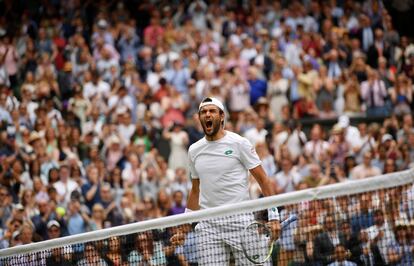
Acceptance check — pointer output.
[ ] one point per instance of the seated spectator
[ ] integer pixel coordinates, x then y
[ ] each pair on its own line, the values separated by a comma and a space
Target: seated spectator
338, 146
147, 250
268, 161
341, 257
92, 256
287, 179
305, 108
178, 203
115, 254
46, 214
315, 177
351, 242
6, 206
400, 252
326, 242
97, 219
316, 147
365, 169
258, 133
381, 236
401, 95
362, 217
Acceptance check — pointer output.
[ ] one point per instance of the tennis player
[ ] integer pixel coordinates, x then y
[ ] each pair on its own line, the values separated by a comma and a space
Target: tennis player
219, 165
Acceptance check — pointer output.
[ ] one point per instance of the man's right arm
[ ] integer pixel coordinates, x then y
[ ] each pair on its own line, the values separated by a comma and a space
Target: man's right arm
178, 238
193, 196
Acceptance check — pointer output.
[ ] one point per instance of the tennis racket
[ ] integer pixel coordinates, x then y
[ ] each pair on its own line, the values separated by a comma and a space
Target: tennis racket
257, 242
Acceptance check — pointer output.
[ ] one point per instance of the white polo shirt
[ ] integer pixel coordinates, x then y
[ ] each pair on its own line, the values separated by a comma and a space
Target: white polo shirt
222, 167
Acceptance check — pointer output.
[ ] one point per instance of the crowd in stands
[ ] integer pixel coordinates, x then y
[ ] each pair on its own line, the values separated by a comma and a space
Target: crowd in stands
99, 101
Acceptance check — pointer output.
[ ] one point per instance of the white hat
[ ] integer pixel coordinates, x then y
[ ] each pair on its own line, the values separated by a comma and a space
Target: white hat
102, 23
386, 137
213, 101
53, 223
19, 207
343, 121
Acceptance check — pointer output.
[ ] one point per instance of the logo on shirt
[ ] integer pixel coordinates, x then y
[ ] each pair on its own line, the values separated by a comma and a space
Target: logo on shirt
228, 152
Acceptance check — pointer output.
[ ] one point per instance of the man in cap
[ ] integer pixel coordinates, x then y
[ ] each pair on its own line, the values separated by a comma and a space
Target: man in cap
59, 255
218, 168
53, 229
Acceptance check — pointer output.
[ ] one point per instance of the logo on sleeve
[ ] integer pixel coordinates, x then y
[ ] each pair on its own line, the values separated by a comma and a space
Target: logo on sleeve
228, 152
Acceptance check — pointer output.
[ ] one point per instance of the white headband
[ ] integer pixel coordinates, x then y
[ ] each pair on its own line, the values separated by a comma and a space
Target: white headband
213, 101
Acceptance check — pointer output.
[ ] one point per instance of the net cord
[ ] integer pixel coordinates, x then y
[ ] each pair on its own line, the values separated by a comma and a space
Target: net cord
335, 190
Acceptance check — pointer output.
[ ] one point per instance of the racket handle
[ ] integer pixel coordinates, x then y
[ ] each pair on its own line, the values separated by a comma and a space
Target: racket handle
285, 223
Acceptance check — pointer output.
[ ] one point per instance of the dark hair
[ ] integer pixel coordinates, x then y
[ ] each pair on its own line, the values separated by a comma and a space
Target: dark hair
378, 211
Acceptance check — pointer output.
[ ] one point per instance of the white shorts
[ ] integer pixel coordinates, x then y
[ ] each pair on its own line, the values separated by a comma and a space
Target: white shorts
217, 238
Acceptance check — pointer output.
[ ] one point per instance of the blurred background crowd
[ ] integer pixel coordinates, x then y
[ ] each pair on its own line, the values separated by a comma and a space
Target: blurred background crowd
99, 101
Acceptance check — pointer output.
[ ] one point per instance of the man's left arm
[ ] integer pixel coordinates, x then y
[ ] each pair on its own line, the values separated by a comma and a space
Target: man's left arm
267, 189
264, 182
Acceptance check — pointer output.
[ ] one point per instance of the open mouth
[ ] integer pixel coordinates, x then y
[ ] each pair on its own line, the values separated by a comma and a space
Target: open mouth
209, 124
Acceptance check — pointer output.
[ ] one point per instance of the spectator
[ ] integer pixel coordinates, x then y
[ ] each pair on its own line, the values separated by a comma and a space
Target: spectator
363, 217
128, 45
46, 214
401, 95
256, 134
316, 147
181, 182
75, 219
373, 93
258, 87
112, 212
381, 236
92, 256
65, 186
61, 255
267, 159
98, 217
315, 178
338, 147
293, 137
115, 253
277, 93
5, 206
340, 257
147, 250
178, 139
327, 241
400, 253
287, 179
365, 169
178, 76
238, 93
178, 203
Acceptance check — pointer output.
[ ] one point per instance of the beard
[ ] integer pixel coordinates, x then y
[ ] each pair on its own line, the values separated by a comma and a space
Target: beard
215, 128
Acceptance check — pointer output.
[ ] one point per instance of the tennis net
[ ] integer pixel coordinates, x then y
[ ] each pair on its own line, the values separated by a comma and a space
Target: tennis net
366, 222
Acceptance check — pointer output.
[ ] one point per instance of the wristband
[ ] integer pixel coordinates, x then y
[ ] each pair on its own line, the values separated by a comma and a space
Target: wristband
187, 210
273, 214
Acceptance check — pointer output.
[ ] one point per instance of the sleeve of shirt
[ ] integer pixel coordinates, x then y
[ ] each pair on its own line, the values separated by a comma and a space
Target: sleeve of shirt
248, 155
193, 172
